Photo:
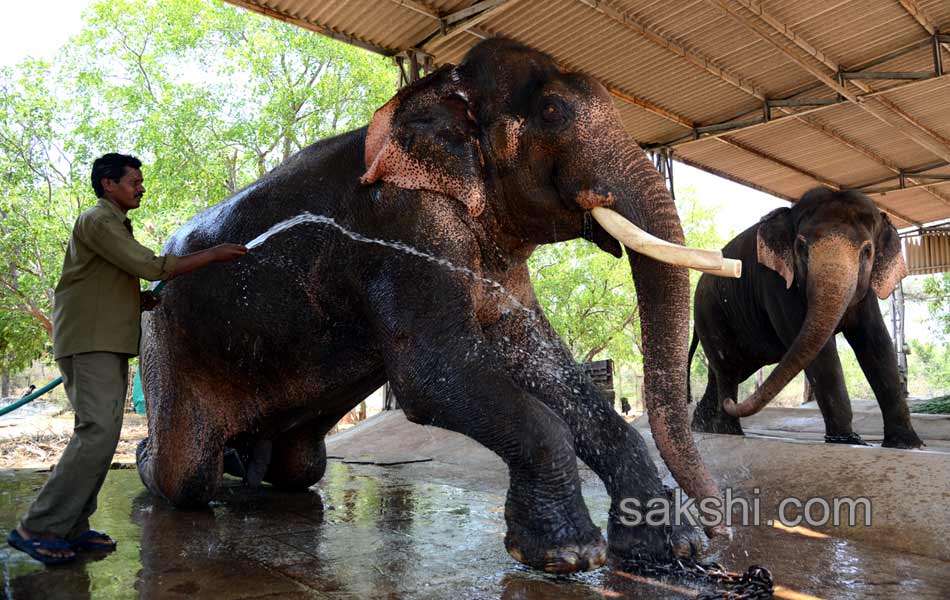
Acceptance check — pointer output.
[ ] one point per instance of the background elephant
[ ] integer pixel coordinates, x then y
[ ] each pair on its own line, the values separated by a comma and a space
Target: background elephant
814, 270
475, 165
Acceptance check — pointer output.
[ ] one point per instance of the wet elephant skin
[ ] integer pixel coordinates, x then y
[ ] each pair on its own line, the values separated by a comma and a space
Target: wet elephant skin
812, 270
476, 165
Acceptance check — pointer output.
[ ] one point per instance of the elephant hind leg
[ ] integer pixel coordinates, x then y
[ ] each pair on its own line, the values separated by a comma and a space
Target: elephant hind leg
298, 458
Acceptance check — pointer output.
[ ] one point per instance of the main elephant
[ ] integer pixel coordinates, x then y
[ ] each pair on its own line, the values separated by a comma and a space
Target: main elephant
817, 269
469, 170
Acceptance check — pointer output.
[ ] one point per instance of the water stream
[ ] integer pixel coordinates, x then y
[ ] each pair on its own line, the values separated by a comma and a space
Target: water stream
307, 217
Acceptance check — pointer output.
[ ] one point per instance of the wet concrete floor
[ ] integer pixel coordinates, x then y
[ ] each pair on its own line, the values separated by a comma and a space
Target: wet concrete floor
368, 531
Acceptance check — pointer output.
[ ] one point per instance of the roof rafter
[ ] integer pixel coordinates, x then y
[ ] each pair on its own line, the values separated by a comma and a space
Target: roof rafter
706, 64
623, 95
883, 110
868, 153
773, 25
822, 180
911, 7
459, 22
729, 141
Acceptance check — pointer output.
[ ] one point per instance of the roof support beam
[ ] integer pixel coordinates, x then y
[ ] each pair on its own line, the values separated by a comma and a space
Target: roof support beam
774, 25
911, 7
872, 155
750, 150
822, 180
882, 109
457, 23
650, 107
622, 95
694, 58
253, 5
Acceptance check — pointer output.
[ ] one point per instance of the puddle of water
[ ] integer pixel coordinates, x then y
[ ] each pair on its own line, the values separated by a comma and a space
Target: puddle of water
370, 531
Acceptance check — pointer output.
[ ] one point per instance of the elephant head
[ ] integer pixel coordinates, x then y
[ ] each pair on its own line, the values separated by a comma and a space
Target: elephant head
531, 150
834, 247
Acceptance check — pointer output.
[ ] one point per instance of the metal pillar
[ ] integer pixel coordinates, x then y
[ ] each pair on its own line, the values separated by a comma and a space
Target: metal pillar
897, 331
663, 160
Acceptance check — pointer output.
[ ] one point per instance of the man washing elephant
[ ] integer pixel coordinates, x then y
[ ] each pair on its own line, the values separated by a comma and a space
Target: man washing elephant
477, 165
96, 330
815, 269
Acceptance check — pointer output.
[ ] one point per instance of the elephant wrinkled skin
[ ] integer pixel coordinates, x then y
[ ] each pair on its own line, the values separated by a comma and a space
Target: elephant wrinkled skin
475, 164
814, 270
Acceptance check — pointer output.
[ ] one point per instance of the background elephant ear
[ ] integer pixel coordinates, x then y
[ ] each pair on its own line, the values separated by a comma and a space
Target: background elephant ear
889, 266
426, 138
774, 240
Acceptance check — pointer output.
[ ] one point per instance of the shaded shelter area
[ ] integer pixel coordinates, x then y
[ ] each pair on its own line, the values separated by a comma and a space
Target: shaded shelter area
779, 96
407, 511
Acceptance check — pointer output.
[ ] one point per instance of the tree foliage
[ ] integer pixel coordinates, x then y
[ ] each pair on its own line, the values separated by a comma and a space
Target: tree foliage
208, 95
937, 294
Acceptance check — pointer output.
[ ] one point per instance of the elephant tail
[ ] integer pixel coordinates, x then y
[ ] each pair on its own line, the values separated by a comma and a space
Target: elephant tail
689, 366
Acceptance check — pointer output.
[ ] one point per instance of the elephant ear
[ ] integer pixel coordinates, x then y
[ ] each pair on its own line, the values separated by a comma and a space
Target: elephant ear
426, 138
774, 239
889, 266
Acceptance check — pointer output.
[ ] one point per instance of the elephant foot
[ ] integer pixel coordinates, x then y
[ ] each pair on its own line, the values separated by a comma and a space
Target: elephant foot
654, 543
705, 423
565, 550
903, 439
852, 439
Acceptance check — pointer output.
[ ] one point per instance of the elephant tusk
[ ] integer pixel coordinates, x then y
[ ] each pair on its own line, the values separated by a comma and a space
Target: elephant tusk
638, 240
731, 267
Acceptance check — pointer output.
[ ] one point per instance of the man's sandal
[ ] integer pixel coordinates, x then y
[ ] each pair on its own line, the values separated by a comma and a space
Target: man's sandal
34, 545
91, 541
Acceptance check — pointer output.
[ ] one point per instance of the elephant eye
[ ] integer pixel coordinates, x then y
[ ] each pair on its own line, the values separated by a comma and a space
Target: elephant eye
551, 112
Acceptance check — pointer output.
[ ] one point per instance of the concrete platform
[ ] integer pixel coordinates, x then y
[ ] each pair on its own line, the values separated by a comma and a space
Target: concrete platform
434, 529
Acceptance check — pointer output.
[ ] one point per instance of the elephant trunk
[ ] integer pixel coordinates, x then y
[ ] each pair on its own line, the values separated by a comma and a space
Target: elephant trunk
832, 280
663, 298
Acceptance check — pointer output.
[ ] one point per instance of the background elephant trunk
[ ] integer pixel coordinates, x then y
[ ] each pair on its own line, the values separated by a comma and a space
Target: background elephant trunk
663, 297
832, 280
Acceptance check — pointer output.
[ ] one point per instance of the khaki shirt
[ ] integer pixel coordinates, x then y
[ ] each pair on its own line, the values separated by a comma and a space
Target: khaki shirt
97, 306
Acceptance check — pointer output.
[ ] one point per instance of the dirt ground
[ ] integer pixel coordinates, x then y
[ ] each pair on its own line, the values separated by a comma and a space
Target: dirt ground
39, 445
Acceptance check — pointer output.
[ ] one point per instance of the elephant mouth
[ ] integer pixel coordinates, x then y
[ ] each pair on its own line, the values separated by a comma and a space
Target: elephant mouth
638, 240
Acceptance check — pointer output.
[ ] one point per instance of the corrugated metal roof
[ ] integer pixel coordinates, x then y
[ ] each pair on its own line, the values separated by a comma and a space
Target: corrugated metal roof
673, 66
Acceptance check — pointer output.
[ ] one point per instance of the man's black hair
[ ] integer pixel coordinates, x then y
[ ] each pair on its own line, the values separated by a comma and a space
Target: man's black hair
113, 166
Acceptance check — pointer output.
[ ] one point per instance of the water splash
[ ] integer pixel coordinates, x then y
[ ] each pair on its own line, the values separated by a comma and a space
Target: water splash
548, 358
307, 217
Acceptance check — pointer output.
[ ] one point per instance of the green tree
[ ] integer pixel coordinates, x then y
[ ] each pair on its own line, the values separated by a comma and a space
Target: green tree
937, 294
208, 95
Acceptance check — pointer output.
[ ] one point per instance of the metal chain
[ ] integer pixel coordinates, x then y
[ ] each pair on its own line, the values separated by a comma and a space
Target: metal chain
755, 584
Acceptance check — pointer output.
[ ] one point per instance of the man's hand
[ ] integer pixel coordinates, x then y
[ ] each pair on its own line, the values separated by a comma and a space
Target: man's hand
226, 252
148, 300
219, 253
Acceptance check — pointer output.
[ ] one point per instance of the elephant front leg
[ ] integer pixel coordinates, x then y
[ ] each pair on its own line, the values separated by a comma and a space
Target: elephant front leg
538, 361
875, 352
455, 381
831, 394
709, 416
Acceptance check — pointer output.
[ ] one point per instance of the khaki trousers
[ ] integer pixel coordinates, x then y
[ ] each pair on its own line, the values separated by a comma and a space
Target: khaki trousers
96, 384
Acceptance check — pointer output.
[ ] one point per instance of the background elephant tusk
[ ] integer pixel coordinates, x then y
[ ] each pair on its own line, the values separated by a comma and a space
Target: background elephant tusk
638, 240
731, 267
